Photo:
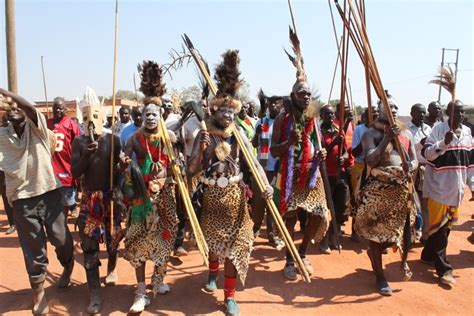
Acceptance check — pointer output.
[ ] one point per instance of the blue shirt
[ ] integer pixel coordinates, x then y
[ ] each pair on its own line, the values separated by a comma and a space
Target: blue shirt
357, 138
127, 132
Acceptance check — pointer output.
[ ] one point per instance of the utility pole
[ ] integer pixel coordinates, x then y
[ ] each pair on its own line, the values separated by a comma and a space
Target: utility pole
11, 44
444, 63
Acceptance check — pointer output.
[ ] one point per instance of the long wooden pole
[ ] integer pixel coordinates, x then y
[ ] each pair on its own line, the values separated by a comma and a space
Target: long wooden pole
377, 82
45, 90
11, 45
135, 87
369, 118
200, 240
338, 58
112, 141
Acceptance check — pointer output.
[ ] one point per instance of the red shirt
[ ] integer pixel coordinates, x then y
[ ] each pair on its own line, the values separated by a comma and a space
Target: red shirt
331, 158
348, 138
65, 131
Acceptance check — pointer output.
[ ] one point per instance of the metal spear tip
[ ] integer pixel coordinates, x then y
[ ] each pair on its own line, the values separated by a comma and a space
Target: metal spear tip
187, 41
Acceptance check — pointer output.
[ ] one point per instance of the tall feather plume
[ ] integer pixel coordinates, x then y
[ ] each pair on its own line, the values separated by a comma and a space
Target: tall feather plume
227, 74
151, 79
296, 60
446, 80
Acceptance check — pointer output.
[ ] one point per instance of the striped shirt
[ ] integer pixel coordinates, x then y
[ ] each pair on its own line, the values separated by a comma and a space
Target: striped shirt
448, 165
26, 161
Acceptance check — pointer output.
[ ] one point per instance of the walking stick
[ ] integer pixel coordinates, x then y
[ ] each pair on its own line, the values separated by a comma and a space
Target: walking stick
253, 168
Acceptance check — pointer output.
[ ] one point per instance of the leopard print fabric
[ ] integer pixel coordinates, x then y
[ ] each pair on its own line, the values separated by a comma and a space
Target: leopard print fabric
227, 226
155, 243
311, 201
383, 204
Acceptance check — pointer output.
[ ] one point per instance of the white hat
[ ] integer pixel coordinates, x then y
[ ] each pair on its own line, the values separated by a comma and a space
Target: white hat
89, 99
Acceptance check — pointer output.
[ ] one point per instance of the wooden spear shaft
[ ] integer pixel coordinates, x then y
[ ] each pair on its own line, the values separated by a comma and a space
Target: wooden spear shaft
377, 82
112, 140
335, 69
45, 90
200, 240
361, 9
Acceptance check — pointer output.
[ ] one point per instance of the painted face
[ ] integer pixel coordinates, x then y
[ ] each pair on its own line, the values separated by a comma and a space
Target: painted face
393, 108
375, 113
301, 95
224, 116
167, 103
59, 110
93, 118
151, 116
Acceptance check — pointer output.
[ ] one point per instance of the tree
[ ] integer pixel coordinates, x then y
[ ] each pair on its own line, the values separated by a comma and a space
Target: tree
244, 93
125, 94
192, 93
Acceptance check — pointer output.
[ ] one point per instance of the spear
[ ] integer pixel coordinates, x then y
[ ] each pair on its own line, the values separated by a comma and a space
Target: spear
45, 91
112, 141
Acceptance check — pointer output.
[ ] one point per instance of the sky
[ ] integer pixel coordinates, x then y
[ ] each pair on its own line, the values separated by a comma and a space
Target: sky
76, 40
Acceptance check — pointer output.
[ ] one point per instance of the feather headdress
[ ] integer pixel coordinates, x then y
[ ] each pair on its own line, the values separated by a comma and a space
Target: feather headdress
297, 60
151, 82
447, 80
228, 81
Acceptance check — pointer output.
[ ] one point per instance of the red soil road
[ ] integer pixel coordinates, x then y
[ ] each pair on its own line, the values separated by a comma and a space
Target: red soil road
342, 283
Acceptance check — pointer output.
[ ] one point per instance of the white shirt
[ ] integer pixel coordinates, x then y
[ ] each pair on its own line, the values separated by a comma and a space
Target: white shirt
447, 166
418, 134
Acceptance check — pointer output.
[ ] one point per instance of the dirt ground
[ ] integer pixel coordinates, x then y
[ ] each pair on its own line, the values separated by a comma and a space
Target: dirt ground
342, 283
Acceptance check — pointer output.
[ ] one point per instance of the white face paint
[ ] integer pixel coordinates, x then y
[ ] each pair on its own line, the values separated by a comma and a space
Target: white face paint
151, 116
393, 108
224, 116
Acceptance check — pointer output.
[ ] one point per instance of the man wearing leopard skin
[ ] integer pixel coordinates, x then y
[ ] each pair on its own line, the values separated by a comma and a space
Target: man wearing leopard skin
385, 196
225, 219
152, 220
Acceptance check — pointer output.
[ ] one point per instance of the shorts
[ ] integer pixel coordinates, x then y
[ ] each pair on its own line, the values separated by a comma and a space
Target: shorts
69, 196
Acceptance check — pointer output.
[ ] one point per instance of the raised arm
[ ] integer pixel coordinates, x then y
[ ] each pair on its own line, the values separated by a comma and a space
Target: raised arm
23, 104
